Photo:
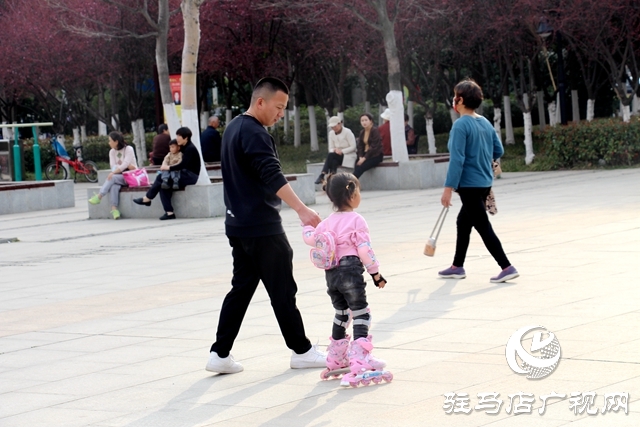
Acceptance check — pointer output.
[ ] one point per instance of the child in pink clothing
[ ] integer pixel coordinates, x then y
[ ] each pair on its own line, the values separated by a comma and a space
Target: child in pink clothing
345, 282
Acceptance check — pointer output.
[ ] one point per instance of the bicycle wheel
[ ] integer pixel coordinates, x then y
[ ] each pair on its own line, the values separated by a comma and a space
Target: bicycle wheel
55, 172
90, 171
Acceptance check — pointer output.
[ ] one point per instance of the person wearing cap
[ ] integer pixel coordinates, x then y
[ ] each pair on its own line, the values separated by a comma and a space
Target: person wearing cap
342, 149
385, 132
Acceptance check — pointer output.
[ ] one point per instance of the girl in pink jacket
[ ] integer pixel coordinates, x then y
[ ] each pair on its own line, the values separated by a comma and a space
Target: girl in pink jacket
342, 247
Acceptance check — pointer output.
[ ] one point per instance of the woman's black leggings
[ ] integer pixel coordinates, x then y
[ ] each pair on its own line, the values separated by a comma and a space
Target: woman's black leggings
332, 162
368, 164
473, 214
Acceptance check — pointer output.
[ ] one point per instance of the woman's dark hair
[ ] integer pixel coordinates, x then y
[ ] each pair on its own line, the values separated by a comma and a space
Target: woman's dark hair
340, 189
162, 128
184, 132
471, 92
117, 137
368, 115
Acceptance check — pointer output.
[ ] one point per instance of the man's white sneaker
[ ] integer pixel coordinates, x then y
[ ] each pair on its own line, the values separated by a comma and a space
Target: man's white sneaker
311, 359
222, 365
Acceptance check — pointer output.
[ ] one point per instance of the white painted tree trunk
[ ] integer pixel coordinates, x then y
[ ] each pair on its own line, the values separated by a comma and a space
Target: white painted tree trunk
143, 142
102, 110
83, 134
431, 137
508, 125
115, 122
528, 139
381, 109
313, 128
591, 108
636, 105
228, 115
541, 117
296, 127
558, 109
399, 151
191, 19
453, 115
367, 107
626, 113
6, 132
286, 122
204, 120
410, 105
341, 116
138, 142
102, 129
553, 118
76, 137
497, 122
575, 106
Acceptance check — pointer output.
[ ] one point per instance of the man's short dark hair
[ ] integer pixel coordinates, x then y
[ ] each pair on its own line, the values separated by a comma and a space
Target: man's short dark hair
162, 128
267, 87
184, 132
471, 92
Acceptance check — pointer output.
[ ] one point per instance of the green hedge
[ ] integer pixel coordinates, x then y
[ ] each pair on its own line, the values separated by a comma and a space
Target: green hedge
585, 144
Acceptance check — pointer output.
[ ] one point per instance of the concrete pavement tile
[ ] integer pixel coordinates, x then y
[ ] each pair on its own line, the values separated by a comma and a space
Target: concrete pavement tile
20, 402
58, 417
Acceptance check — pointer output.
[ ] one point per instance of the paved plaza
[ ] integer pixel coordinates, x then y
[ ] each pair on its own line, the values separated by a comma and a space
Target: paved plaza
108, 323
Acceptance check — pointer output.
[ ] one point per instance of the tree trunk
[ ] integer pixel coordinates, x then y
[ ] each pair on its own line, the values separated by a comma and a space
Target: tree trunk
162, 63
553, 117
431, 137
143, 141
204, 120
508, 125
399, 151
410, 105
313, 128
367, 107
102, 110
83, 133
296, 126
138, 142
286, 122
76, 137
497, 122
228, 115
591, 106
636, 105
575, 106
626, 113
528, 140
541, 117
189, 101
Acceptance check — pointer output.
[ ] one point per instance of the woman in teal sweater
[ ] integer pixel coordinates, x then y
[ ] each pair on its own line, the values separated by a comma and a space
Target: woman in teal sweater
473, 145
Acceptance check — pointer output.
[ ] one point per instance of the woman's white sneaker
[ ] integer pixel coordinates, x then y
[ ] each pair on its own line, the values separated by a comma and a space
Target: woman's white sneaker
223, 365
311, 359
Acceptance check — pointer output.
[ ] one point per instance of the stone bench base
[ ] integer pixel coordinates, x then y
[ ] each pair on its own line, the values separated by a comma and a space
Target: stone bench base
29, 196
195, 201
418, 173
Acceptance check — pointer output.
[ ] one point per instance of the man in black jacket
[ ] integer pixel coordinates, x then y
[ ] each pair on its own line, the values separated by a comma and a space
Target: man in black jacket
210, 141
254, 186
189, 171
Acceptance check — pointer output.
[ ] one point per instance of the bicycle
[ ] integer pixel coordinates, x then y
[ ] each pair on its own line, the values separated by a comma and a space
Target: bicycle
58, 169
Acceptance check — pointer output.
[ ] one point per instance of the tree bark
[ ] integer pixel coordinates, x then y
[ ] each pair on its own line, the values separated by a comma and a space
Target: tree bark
541, 117
591, 106
431, 137
497, 122
313, 128
528, 140
189, 101
553, 113
508, 125
162, 63
575, 106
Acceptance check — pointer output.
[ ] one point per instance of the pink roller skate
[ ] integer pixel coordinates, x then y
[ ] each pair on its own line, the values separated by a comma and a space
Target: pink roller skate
364, 367
337, 358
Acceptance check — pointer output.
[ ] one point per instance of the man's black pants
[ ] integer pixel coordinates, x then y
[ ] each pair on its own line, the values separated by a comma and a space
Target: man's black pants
269, 259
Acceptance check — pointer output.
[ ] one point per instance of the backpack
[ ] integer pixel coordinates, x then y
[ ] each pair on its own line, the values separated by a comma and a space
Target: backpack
323, 255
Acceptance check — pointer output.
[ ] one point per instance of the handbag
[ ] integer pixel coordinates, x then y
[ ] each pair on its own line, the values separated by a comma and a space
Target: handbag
430, 247
136, 178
